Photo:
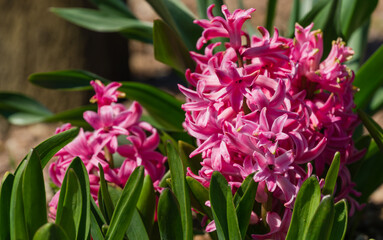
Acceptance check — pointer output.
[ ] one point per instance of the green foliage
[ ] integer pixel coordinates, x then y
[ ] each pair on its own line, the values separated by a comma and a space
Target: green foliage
169, 216
332, 175
50, 231
123, 213
180, 189
5, 203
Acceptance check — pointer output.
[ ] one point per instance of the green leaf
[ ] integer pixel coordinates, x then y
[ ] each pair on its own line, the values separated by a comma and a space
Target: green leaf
73, 116
180, 19
245, 204
232, 219
271, 7
220, 204
373, 128
5, 203
19, 109
321, 224
243, 188
50, 231
369, 78
96, 221
78, 167
162, 106
358, 42
193, 163
102, 21
146, 204
70, 205
306, 203
18, 228
369, 177
169, 216
355, 13
35, 209
137, 228
200, 194
169, 48
114, 7
294, 17
332, 176
314, 12
126, 204
339, 227
73, 80
181, 190
106, 204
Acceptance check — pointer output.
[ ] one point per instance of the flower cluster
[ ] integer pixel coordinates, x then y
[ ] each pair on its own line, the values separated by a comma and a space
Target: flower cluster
118, 134
268, 105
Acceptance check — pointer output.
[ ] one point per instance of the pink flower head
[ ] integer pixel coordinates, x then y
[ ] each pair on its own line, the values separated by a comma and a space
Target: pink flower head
105, 95
230, 27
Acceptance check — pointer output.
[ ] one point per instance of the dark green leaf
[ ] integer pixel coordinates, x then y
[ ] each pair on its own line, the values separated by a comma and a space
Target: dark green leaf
169, 48
218, 200
113, 7
181, 190
358, 42
19, 109
373, 128
169, 216
243, 188
5, 203
245, 205
34, 194
101, 21
339, 227
332, 175
51, 231
271, 7
106, 204
314, 12
73, 116
17, 217
232, 219
321, 224
369, 177
96, 221
73, 80
78, 166
369, 78
306, 204
137, 228
162, 106
180, 19
202, 6
200, 194
126, 204
146, 204
355, 13
70, 205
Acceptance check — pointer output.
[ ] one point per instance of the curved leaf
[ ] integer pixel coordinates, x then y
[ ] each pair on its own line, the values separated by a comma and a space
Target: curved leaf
5, 203
34, 194
306, 204
123, 212
193, 163
169, 48
332, 175
169, 216
321, 224
162, 107
369, 78
146, 204
18, 228
50, 231
19, 109
137, 228
74, 80
104, 200
181, 190
201, 194
339, 227
102, 21
69, 207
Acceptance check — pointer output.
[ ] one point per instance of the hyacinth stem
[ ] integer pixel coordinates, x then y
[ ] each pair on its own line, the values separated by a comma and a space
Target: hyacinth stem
240, 60
266, 206
109, 157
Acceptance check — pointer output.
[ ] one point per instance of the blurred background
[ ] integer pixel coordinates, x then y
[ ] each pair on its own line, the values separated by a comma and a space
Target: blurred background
32, 39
